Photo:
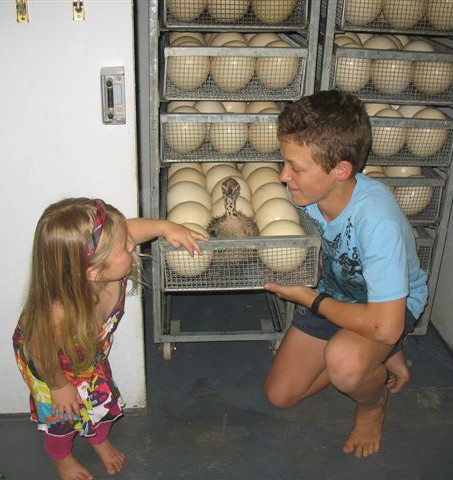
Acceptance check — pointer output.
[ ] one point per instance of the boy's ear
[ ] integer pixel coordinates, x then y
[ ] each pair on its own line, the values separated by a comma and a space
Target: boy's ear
344, 169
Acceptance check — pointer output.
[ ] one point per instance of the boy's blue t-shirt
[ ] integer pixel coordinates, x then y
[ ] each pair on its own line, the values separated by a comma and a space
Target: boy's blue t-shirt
369, 252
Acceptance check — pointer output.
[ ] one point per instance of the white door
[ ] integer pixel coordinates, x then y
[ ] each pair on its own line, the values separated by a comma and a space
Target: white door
53, 144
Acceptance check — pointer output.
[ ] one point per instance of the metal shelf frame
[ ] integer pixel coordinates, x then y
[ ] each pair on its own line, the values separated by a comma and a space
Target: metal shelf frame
166, 330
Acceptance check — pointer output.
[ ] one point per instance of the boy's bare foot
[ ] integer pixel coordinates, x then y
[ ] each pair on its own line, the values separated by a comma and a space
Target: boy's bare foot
112, 458
365, 437
398, 372
70, 469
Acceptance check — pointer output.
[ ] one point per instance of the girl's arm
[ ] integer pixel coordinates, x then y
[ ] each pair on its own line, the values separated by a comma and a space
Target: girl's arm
143, 229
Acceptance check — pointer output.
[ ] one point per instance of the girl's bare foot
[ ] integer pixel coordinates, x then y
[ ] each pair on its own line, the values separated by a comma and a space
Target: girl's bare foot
365, 437
398, 372
70, 469
112, 458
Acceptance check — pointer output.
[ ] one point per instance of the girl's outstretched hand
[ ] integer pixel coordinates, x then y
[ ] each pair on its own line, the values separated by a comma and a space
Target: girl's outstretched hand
65, 400
178, 235
293, 293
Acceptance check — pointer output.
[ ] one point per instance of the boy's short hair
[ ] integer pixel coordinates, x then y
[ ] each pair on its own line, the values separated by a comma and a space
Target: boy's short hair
333, 124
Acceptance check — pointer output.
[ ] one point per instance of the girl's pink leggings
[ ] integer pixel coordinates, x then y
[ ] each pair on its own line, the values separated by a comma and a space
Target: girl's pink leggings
60, 447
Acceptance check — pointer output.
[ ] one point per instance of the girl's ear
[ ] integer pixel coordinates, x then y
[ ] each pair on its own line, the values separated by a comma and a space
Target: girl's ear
344, 169
93, 274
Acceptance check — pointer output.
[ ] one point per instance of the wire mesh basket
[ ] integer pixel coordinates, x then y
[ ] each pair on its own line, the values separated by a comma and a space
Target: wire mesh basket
424, 240
406, 16
418, 197
411, 141
219, 137
394, 76
235, 73
238, 14
244, 263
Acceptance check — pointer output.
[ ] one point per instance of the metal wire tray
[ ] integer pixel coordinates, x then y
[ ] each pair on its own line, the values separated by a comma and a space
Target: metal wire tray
244, 263
237, 137
364, 23
235, 17
202, 86
419, 198
419, 146
425, 246
352, 76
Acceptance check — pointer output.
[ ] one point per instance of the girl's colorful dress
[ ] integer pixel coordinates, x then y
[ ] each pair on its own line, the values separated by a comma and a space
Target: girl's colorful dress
101, 398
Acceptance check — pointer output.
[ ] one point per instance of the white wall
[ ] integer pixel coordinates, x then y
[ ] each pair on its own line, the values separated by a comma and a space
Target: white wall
53, 145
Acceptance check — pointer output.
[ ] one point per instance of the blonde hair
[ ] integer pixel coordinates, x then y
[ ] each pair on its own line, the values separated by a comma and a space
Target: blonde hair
59, 275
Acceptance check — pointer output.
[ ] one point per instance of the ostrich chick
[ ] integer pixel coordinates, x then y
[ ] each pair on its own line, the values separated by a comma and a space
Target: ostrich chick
233, 223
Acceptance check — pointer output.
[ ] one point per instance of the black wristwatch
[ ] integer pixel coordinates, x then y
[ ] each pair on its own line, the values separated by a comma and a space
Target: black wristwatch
315, 305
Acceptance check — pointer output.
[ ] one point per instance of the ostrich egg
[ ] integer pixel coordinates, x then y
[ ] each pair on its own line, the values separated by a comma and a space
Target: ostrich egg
188, 73
185, 137
266, 192
275, 209
376, 174
186, 11
209, 106
183, 264
372, 168
418, 46
199, 36
391, 76
440, 14
263, 39
232, 74
380, 42
271, 11
242, 205
395, 40
433, 77
256, 107
244, 192
424, 142
352, 73
228, 137
250, 167
190, 212
408, 111
263, 136
413, 200
226, 12
186, 41
224, 37
206, 166
402, 171
277, 72
362, 12
235, 107
373, 108
281, 259
187, 192
388, 141
179, 103
175, 167
404, 13
187, 175
343, 40
260, 177
217, 173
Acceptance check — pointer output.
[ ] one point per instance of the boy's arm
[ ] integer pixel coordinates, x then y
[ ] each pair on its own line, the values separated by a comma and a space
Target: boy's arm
144, 229
380, 322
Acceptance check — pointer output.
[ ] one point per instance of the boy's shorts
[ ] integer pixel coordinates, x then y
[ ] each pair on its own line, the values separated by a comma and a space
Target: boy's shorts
321, 328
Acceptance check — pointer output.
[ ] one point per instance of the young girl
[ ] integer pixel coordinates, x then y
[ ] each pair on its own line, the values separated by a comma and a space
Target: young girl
83, 253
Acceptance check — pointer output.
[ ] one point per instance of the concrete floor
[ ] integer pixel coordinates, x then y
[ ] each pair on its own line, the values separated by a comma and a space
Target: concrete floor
208, 418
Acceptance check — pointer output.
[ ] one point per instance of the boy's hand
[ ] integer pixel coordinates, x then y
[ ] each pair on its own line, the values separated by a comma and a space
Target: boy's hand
297, 294
178, 235
65, 400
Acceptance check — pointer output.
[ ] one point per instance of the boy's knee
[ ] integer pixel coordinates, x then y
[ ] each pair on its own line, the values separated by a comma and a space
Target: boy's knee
277, 396
344, 369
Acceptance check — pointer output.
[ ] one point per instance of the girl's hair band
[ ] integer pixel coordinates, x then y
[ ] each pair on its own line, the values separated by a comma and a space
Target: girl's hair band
99, 219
